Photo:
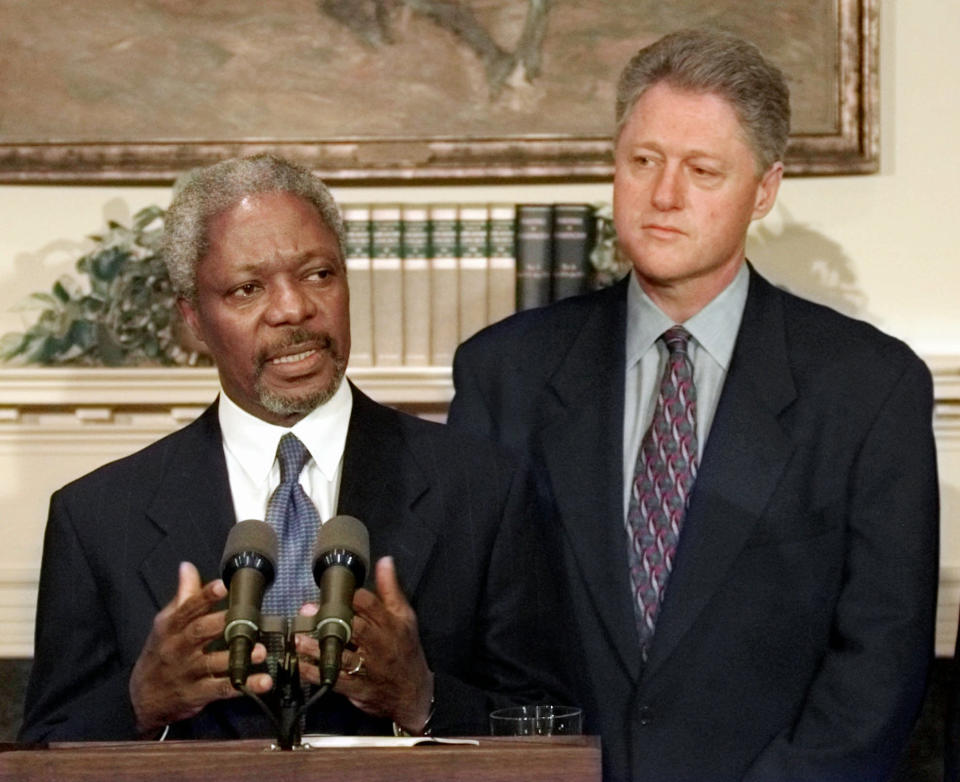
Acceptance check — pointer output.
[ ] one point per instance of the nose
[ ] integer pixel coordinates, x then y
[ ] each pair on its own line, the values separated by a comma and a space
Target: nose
290, 304
668, 189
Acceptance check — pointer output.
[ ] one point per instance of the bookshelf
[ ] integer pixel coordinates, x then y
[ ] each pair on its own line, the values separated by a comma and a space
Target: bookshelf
425, 277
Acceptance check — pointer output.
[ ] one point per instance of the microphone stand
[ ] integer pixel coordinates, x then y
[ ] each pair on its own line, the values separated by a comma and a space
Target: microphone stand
288, 705
291, 696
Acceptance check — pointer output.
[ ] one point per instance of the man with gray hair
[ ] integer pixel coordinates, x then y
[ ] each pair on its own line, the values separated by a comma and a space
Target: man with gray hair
743, 483
460, 614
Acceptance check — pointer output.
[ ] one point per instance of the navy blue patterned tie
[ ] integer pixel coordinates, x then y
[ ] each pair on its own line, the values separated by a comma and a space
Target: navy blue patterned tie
666, 469
292, 514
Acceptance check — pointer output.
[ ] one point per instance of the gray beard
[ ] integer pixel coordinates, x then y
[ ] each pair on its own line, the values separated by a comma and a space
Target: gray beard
294, 404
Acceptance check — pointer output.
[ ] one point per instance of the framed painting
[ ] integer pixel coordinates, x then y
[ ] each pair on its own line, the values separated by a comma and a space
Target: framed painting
390, 91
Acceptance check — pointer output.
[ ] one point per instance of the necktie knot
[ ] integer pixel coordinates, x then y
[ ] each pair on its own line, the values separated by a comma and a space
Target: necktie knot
676, 339
292, 455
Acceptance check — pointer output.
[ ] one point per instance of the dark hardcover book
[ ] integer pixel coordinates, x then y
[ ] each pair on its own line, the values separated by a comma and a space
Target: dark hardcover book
534, 255
574, 232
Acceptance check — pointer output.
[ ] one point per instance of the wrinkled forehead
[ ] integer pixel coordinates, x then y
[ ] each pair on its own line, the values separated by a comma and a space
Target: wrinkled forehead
266, 212
743, 130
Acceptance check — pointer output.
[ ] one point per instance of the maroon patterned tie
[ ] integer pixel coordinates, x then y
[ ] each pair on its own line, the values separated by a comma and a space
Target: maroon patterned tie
662, 482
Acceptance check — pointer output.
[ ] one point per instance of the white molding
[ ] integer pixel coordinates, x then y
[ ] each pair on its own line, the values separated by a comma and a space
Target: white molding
33, 387
948, 609
946, 376
58, 387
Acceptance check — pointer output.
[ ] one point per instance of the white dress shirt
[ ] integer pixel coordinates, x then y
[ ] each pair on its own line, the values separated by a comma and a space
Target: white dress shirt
714, 331
250, 447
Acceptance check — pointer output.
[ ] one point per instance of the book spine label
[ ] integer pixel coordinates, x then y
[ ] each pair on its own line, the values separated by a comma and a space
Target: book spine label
534, 255
416, 286
387, 286
474, 259
502, 271
356, 219
444, 289
573, 235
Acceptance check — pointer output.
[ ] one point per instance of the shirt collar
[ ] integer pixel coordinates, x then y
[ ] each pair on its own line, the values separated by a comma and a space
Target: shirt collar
253, 442
714, 327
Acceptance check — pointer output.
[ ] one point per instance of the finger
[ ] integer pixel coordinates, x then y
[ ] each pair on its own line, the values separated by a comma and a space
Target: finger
353, 664
214, 664
307, 645
352, 687
213, 688
199, 632
388, 587
259, 683
359, 628
188, 583
366, 603
259, 653
309, 609
197, 605
309, 672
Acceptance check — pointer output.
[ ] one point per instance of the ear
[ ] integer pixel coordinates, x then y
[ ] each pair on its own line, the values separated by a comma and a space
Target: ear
190, 317
767, 190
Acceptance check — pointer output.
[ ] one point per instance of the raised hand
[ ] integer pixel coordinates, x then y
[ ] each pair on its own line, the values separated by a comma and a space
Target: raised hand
174, 678
386, 673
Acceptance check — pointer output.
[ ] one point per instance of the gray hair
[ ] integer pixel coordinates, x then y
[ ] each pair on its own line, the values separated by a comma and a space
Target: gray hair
210, 191
710, 61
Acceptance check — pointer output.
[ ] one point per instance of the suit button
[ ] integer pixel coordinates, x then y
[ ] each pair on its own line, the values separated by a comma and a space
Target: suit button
645, 716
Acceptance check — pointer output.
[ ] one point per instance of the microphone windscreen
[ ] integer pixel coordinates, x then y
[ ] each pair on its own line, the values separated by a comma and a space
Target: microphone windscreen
344, 533
250, 537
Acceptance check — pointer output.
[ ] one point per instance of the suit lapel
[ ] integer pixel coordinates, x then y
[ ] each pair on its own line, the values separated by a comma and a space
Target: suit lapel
745, 456
192, 508
384, 486
582, 446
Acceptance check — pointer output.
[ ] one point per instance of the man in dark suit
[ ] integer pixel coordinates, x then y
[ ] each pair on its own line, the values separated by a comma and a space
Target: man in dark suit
747, 506
459, 617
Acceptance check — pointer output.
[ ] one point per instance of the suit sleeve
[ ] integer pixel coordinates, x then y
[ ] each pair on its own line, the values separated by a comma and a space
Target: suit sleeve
859, 709
78, 687
518, 649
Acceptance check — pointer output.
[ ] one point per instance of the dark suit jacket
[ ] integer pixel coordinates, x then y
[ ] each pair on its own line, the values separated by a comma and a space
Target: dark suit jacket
451, 512
797, 627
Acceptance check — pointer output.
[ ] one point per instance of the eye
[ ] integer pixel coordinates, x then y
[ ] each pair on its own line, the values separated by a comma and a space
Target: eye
321, 274
704, 172
245, 291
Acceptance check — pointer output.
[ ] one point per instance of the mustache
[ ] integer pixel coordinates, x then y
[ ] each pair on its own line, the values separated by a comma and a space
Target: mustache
298, 338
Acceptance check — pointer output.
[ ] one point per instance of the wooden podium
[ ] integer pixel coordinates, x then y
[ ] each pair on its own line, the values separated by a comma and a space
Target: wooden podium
506, 759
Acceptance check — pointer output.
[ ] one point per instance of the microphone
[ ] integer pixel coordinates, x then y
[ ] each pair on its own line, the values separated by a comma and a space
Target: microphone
247, 568
341, 558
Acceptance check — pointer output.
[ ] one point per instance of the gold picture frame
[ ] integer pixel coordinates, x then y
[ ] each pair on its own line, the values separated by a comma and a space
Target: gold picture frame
106, 94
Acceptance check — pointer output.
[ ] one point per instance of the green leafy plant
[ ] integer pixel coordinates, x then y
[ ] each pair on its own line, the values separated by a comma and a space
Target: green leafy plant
122, 314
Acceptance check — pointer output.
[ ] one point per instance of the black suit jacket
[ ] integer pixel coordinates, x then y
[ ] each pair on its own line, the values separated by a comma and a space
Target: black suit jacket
452, 513
797, 627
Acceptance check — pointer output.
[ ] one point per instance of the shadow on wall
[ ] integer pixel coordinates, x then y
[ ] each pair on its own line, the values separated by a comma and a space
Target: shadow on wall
808, 264
61, 255
39, 269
